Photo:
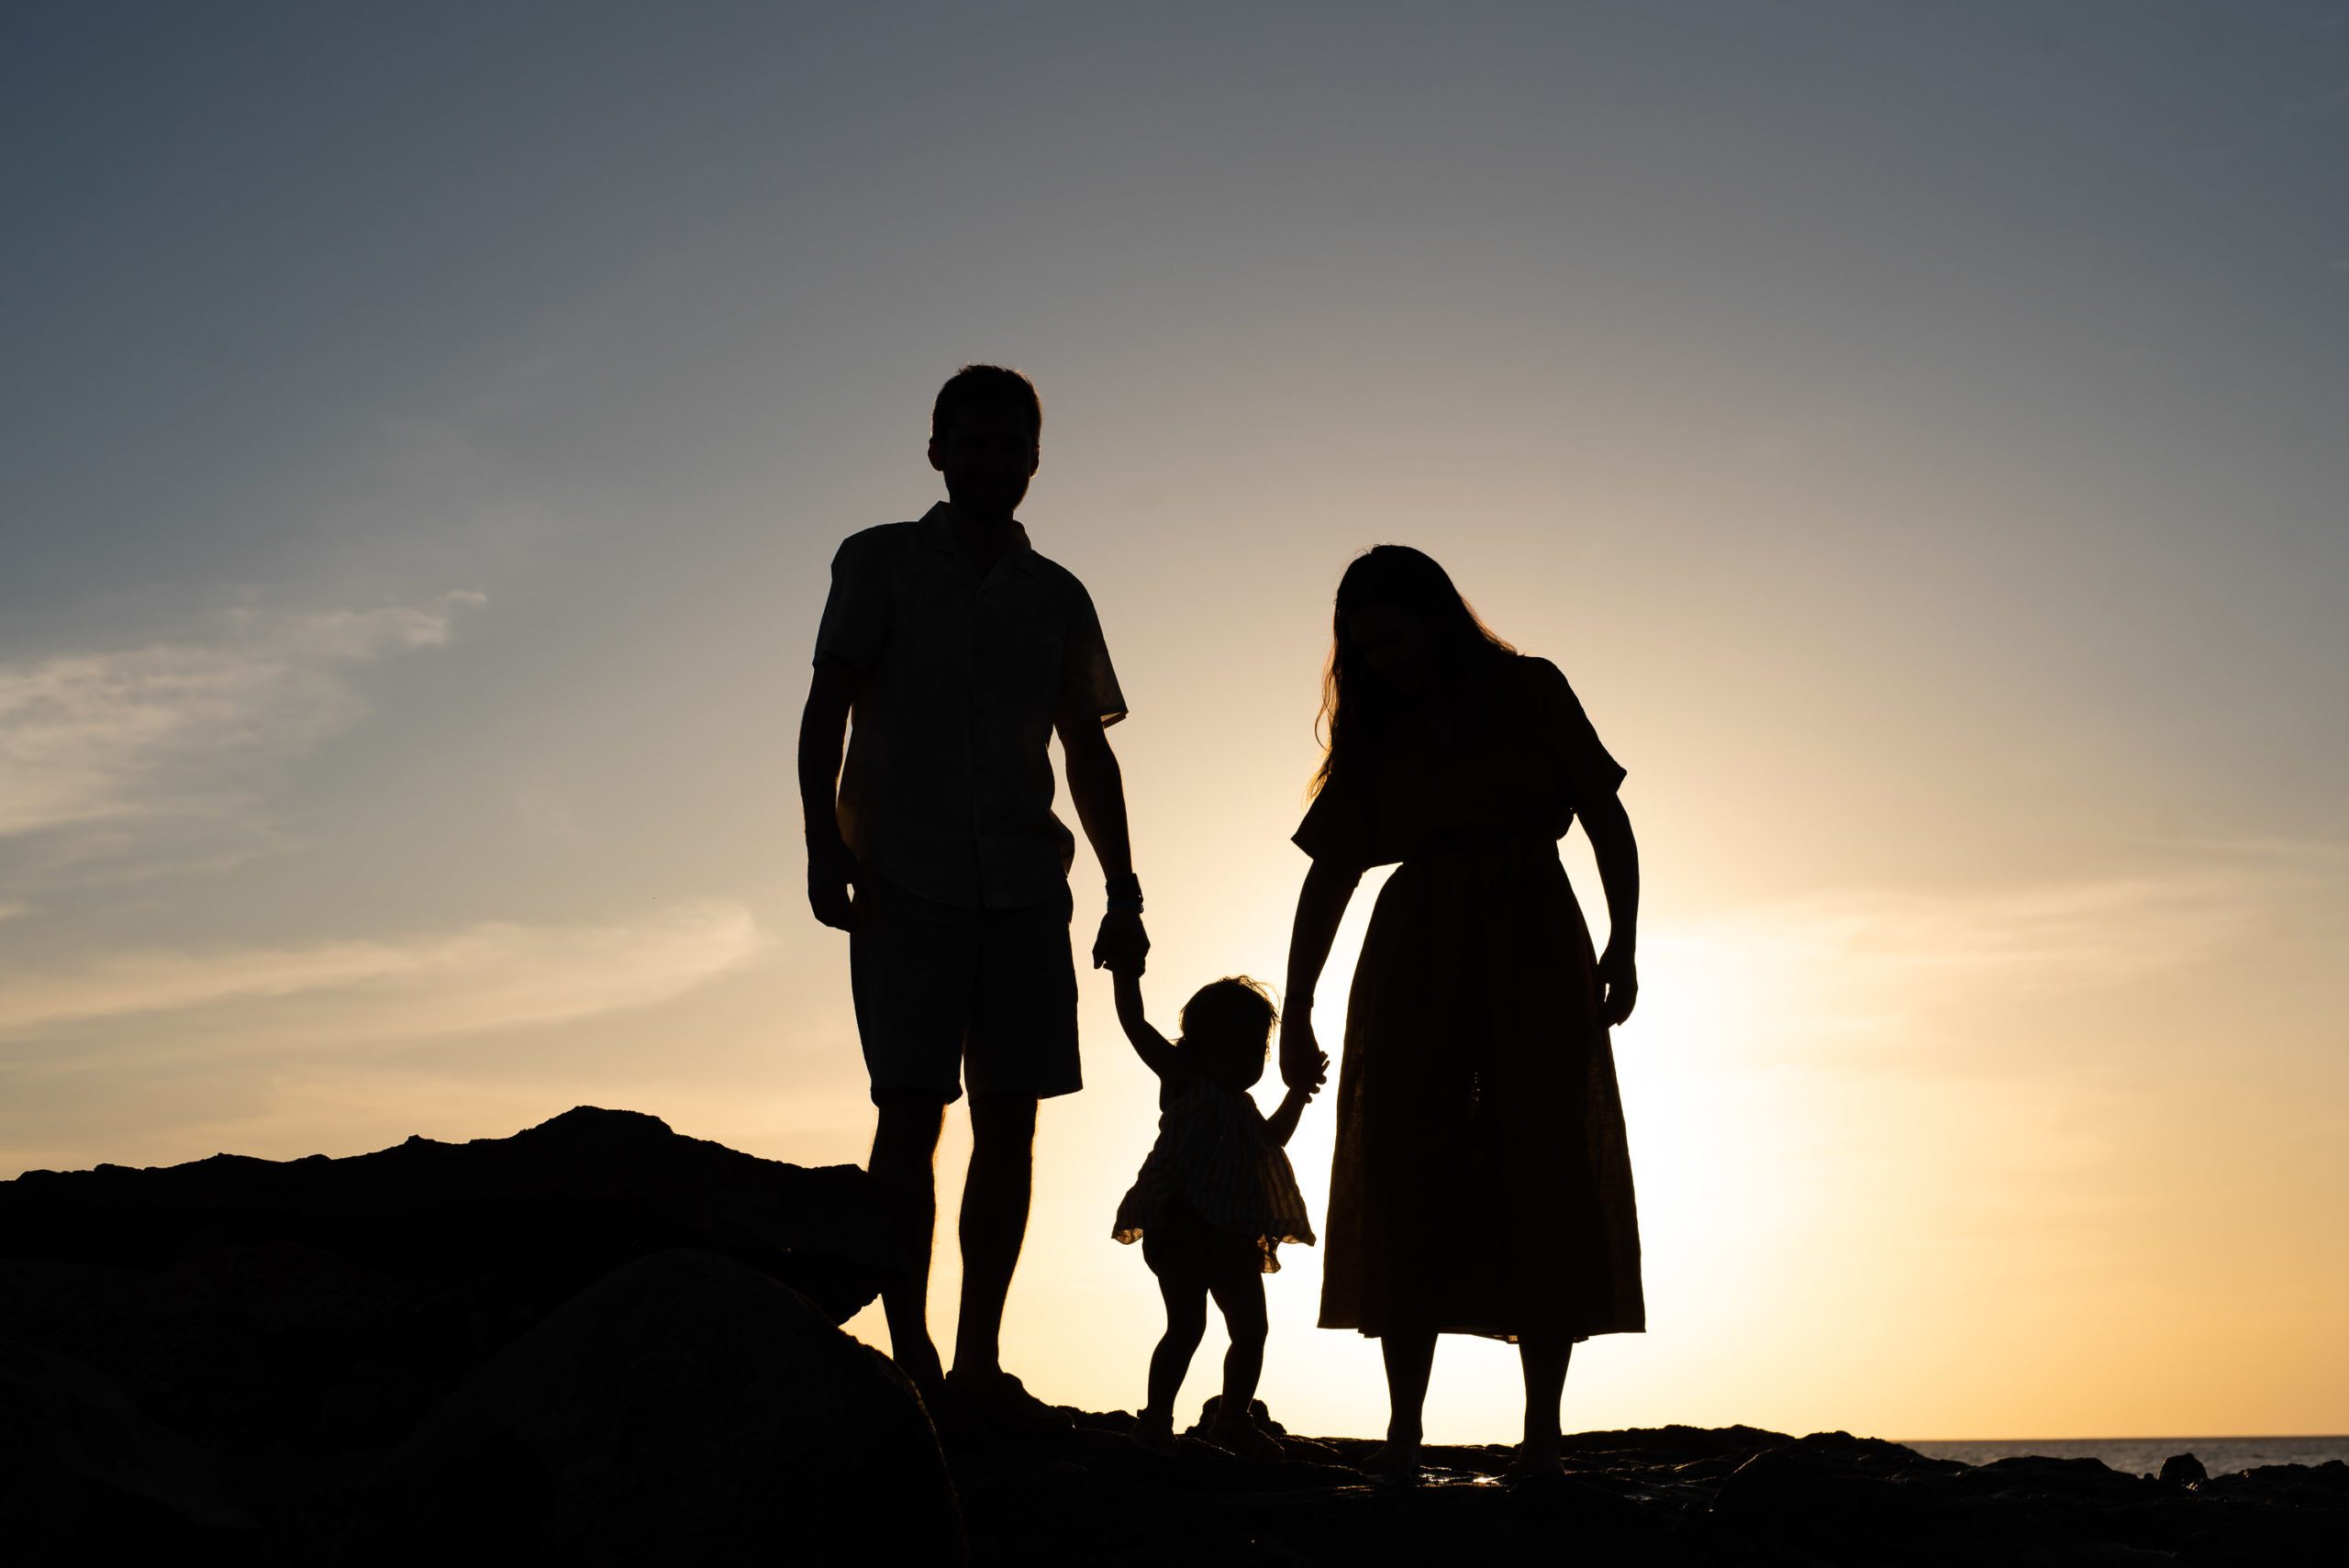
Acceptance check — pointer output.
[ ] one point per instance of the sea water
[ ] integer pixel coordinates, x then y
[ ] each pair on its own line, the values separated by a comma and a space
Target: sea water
2144, 1456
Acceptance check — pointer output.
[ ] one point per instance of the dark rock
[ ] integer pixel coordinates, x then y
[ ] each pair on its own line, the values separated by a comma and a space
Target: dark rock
2037, 1476
2183, 1470
262, 1350
85, 1476
544, 1211
685, 1409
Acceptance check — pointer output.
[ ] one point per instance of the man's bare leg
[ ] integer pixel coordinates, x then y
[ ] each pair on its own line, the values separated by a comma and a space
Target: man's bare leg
904, 1166
995, 1224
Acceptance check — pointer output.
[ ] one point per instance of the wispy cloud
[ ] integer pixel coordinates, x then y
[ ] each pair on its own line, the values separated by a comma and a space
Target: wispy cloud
1866, 964
168, 727
483, 977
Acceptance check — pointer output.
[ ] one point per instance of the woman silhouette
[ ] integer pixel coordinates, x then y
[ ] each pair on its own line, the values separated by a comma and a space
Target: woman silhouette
1481, 1183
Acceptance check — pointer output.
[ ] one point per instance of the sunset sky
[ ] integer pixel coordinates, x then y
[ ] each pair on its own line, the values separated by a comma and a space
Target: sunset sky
1916, 430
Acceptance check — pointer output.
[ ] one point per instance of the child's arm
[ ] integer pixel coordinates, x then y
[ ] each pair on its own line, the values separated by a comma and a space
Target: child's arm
1148, 1043
1281, 1126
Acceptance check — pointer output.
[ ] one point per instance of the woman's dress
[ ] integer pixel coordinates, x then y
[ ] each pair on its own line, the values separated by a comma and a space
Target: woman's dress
1482, 1183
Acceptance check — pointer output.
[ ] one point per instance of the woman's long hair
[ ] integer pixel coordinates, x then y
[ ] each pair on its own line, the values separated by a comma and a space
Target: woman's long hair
1355, 703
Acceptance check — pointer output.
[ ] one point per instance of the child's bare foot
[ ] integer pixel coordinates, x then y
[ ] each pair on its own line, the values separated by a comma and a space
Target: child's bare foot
1155, 1434
1242, 1438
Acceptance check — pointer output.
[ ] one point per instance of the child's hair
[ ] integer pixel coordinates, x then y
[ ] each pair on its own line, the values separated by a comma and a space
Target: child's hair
992, 387
1231, 1021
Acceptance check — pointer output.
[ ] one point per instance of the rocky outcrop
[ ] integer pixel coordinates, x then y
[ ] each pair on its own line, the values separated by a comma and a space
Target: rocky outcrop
540, 1213
313, 1307
85, 1476
271, 1330
684, 1409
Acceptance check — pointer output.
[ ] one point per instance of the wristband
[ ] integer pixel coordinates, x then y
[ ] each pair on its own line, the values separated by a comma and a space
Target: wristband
1125, 894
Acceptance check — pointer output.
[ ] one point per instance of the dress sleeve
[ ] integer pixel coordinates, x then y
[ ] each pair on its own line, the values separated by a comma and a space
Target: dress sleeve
1341, 825
857, 617
1589, 772
1088, 682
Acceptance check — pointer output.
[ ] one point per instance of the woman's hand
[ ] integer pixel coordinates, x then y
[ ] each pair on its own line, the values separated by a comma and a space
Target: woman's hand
1303, 1065
1618, 984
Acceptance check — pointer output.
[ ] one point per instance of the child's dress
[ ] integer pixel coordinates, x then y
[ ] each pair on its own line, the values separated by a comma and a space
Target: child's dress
1212, 1153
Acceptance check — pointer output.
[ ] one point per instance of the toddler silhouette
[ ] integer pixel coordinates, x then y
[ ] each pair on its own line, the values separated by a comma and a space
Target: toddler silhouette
1215, 1200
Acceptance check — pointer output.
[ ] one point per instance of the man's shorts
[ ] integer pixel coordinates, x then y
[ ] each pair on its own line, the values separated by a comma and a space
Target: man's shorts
946, 994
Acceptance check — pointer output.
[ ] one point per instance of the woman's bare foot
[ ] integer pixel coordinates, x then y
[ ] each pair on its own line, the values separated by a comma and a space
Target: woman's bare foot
1392, 1460
1239, 1436
1535, 1460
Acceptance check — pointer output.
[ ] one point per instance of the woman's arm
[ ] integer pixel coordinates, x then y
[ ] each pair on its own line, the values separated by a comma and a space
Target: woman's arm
1148, 1044
1618, 854
1321, 905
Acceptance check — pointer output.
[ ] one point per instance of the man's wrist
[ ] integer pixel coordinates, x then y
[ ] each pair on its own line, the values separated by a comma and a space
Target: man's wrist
1125, 894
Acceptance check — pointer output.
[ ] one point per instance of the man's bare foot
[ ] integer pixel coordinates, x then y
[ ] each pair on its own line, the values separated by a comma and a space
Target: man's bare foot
1393, 1461
1242, 1438
1003, 1402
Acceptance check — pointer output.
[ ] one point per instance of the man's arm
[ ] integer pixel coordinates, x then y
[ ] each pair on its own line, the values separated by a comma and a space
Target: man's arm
823, 726
1098, 790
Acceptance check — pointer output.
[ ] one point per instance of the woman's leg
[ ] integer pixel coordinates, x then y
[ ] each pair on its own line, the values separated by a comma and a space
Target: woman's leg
1409, 1356
1544, 1357
1240, 1293
1186, 1296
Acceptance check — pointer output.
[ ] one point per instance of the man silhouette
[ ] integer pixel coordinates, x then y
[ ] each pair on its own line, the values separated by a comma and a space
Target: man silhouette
961, 651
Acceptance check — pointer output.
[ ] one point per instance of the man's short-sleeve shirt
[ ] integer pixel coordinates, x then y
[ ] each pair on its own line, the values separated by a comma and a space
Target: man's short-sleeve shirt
948, 787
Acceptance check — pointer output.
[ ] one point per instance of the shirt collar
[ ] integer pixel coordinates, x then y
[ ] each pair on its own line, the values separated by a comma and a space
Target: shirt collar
937, 527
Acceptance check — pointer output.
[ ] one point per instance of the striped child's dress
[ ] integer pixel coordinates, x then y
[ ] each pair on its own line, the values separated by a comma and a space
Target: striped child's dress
1212, 1153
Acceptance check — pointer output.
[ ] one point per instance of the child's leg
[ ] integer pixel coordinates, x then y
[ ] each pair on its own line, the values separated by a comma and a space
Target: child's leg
1240, 1293
1241, 1298
1186, 1294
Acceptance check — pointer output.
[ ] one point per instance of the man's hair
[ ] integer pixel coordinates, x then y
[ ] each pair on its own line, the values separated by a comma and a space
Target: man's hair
990, 387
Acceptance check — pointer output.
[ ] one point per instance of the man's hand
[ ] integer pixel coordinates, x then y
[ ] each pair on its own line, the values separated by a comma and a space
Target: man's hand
1618, 984
1303, 1062
1122, 947
831, 875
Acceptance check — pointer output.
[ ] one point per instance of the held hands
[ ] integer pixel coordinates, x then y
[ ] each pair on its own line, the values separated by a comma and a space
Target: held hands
1304, 1064
1618, 984
831, 877
1122, 947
